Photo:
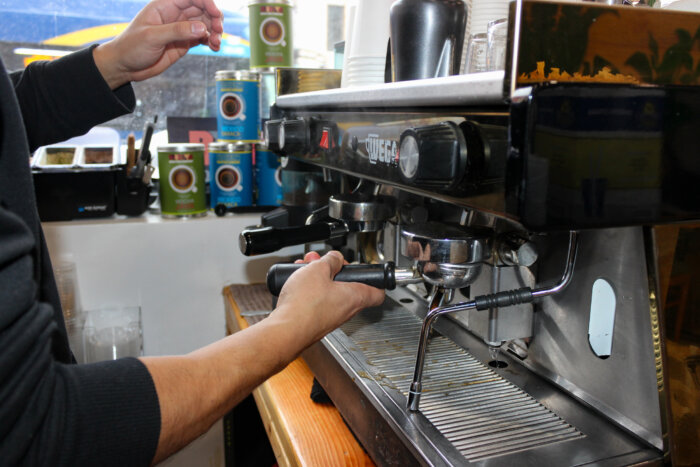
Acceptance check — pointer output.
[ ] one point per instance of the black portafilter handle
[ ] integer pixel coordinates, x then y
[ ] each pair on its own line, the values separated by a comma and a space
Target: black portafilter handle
263, 240
381, 276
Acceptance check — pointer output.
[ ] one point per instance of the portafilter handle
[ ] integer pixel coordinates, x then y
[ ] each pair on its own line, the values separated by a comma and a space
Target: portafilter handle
381, 276
261, 240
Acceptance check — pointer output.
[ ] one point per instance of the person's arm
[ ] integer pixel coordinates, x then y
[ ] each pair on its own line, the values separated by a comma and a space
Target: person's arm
197, 389
157, 37
68, 96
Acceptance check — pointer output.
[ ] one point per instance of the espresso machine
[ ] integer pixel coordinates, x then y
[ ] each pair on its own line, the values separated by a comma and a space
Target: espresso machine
514, 221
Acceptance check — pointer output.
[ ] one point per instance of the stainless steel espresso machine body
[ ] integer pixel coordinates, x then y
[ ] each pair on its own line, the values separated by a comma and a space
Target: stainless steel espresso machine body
522, 324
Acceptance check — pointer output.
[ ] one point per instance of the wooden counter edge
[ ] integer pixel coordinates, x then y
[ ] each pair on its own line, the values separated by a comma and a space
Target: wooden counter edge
281, 443
276, 422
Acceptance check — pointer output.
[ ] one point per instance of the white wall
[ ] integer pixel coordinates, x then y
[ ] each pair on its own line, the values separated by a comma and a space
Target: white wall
176, 270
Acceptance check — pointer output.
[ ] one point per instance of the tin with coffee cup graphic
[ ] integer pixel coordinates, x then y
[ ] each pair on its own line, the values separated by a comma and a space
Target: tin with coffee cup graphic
270, 33
238, 100
231, 174
182, 190
268, 177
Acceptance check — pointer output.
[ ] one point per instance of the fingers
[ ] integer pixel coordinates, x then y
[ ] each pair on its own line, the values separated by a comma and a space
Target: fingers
334, 259
202, 11
207, 6
182, 31
311, 256
369, 296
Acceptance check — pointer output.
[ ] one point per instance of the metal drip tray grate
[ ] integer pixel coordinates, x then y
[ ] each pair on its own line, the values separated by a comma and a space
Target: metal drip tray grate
481, 414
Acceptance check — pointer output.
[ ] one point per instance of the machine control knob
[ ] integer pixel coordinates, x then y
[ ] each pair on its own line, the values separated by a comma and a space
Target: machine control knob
271, 135
433, 156
294, 136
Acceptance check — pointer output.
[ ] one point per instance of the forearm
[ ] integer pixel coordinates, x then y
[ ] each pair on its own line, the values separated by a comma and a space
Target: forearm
198, 389
66, 97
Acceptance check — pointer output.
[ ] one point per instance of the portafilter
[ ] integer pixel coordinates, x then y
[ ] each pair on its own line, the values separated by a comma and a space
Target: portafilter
445, 256
345, 213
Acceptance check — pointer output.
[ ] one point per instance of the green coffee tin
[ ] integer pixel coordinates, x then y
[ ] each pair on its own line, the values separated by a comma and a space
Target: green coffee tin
182, 189
270, 33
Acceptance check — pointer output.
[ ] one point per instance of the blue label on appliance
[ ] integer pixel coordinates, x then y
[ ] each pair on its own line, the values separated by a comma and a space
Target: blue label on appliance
268, 178
238, 113
231, 175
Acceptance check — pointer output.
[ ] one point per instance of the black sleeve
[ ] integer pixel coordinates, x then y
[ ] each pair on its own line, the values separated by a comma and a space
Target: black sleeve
66, 97
53, 413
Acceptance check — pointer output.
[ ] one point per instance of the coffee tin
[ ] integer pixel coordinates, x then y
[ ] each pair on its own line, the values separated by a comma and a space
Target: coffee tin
182, 189
231, 174
238, 112
270, 33
267, 177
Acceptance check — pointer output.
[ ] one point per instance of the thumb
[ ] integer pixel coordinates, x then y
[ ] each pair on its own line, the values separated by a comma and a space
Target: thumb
180, 31
335, 261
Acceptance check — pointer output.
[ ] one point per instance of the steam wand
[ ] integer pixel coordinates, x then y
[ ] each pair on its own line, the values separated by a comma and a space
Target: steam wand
485, 302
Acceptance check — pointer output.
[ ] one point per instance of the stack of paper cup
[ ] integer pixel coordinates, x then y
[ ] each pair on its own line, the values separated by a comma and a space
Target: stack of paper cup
350, 10
366, 43
481, 12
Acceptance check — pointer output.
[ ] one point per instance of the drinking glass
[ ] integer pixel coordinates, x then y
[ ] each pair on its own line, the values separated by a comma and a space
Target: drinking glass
497, 34
67, 284
112, 333
476, 53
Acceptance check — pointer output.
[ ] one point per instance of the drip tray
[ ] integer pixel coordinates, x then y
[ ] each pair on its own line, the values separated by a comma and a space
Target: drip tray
469, 414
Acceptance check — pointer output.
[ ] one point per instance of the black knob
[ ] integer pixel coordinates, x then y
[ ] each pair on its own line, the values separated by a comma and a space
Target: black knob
271, 133
381, 276
433, 156
294, 136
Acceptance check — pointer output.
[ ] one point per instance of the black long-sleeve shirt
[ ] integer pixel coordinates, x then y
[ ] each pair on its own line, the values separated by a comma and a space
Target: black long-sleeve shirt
53, 412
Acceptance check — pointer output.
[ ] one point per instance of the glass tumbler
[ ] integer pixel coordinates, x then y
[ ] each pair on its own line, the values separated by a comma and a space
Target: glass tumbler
67, 284
112, 333
476, 53
497, 35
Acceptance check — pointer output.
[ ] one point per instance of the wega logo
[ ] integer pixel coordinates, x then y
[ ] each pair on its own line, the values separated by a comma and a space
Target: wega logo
381, 150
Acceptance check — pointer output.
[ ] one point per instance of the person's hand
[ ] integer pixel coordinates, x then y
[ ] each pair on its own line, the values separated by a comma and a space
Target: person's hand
315, 304
160, 34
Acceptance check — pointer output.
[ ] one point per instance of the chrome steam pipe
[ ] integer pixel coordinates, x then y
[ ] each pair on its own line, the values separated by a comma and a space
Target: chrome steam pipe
484, 302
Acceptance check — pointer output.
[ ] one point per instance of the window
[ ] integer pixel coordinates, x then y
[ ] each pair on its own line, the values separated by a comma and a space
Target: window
46, 29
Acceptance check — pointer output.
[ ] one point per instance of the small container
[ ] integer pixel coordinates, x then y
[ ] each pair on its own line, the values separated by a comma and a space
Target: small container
268, 178
56, 157
230, 174
97, 156
182, 189
238, 112
270, 33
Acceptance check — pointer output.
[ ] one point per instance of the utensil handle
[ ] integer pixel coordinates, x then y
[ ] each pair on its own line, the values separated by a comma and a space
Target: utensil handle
380, 276
262, 240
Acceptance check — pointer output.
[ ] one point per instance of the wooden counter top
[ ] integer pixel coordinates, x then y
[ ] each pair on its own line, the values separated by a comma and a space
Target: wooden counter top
301, 431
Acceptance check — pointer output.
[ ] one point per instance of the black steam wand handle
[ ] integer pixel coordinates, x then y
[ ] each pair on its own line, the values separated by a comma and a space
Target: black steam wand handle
258, 241
381, 276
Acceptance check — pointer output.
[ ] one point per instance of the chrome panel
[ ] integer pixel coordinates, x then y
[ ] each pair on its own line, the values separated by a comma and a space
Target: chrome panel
472, 89
503, 416
623, 386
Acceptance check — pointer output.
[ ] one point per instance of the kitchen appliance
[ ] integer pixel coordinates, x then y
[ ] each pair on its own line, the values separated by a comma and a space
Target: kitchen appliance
524, 321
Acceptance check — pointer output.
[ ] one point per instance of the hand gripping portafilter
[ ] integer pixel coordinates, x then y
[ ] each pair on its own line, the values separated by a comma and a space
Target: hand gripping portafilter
346, 213
445, 257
